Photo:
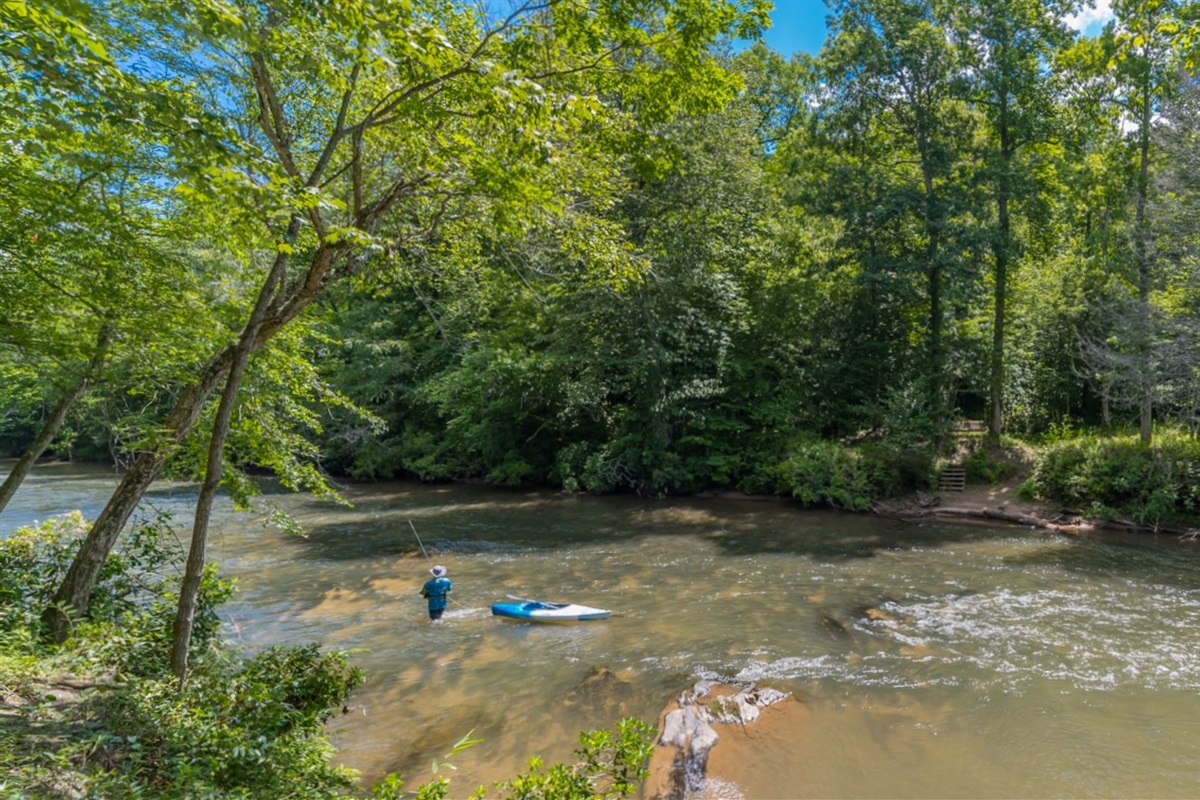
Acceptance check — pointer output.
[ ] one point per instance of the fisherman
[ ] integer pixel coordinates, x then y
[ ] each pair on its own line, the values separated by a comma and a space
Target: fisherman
436, 590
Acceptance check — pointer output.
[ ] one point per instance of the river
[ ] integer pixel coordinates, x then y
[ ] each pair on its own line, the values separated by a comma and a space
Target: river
934, 659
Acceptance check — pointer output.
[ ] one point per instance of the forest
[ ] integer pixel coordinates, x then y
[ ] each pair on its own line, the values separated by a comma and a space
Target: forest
643, 261
654, 263
604, 246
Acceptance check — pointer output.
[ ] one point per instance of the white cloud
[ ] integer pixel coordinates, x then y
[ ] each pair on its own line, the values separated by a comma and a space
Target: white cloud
1091, 19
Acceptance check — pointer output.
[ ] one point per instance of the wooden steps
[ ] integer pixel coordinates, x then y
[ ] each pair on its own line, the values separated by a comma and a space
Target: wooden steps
952, 479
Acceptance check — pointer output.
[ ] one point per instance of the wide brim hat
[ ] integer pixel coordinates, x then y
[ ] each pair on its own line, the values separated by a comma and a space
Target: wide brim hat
439, 571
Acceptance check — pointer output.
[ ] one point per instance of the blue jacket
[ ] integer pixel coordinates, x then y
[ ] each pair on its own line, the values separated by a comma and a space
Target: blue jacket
436, 590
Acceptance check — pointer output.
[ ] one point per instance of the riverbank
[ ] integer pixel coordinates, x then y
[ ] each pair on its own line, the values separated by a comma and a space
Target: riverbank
1002, 503
999, 501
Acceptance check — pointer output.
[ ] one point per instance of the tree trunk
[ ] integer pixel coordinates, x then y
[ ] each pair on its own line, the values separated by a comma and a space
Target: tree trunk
1142, 252
72, 596
76, 589
189, 591
996, 420
1002, 250
933, 266
54, 422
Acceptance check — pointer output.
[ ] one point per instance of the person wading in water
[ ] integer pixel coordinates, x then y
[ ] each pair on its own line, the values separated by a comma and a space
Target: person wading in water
436, 590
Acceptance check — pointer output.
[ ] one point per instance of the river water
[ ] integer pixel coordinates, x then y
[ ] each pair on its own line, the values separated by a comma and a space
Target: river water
934, 660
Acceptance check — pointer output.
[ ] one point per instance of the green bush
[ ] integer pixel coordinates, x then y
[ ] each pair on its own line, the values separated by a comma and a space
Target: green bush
612, 765
988, 466
1118, 475
821, 472
237, 729
257, 731
34, 560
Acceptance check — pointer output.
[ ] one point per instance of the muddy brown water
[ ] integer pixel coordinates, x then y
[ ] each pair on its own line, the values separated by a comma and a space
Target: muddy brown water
934, 660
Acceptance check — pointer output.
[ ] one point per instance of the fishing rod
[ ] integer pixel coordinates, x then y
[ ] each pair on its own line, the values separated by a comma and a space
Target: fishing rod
414, 530
422, 545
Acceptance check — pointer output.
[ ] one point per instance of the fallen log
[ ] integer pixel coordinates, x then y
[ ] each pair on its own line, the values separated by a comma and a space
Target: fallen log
989, 513
1068, 522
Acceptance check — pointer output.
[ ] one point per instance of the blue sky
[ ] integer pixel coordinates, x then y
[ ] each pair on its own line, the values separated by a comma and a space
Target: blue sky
800, 24
797, 25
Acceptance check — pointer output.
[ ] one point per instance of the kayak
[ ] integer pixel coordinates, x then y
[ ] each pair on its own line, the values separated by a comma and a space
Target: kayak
540, 611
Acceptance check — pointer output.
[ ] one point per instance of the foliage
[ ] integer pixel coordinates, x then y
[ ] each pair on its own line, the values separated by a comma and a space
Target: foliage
128, 617
820, 472
612, 765
991, 465
667, 287
253, 731
238, 729
1118, 475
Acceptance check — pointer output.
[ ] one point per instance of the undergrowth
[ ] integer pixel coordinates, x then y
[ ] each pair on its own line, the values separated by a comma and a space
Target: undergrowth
1109, 477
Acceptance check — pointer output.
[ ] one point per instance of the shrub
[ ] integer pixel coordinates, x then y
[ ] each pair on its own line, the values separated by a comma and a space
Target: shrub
257, 731
988, 465
820, 472
237, 729
612, 765
1120, 475
34, 560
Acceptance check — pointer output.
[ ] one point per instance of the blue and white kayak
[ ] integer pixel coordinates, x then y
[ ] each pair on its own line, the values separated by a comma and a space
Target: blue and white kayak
540, 611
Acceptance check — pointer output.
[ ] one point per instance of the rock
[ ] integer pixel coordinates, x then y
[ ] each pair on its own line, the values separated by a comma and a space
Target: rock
688, 729
831, 626
679, 765
602, 689
928, 500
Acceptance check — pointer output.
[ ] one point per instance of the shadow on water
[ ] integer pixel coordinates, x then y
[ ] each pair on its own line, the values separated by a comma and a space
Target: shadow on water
517, 521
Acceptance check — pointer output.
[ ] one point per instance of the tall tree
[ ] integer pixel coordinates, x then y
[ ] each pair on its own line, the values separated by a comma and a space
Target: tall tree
357, 129
1007, 48
1175, 207
892, 62
1146, 58
86, 247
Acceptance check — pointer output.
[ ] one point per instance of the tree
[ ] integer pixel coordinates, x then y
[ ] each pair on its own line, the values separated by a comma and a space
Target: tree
1145, 56
85, 252
891, 62
1175, 205
1007, 49
355, 131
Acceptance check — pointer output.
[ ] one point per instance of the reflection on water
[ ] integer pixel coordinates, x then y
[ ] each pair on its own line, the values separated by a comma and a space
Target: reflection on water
934, 660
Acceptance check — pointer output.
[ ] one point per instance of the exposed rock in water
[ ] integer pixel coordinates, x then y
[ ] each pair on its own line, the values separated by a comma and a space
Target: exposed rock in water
602, 689
679, 766
831, 626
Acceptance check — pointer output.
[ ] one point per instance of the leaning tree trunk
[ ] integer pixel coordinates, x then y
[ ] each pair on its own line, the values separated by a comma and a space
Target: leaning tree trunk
76, 589
189, 591
54, 422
